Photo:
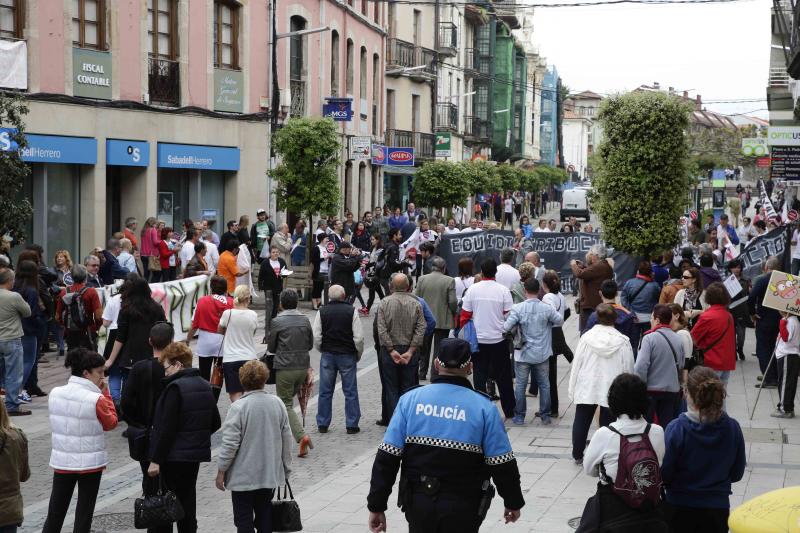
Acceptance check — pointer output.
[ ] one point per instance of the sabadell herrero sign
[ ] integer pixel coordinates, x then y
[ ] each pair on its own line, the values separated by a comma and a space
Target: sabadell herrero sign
91, 74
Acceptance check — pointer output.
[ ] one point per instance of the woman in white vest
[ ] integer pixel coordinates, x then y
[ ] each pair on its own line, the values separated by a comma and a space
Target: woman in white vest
80, 412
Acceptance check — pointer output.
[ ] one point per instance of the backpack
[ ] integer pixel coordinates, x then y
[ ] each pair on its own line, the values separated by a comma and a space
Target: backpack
638, 480
73, 312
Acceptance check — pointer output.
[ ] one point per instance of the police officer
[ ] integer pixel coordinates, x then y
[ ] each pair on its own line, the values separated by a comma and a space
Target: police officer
450, 441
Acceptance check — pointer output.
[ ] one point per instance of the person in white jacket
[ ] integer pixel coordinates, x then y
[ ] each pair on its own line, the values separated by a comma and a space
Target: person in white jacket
603, 353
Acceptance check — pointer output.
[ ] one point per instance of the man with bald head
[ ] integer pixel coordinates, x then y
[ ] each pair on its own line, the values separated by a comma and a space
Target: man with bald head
401, 330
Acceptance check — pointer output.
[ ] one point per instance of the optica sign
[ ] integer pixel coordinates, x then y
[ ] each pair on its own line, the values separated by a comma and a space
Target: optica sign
400, 157
783, 136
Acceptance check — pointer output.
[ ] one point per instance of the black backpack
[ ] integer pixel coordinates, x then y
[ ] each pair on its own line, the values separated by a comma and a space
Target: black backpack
73, 312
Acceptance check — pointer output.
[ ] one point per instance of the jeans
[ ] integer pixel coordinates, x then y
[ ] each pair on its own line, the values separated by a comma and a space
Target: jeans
345, 365
252, 510
271, 300
117, 376
287, 385
29, 354
540, 373
397, 378
378, 289
788, 369
493, 361
61, 495
741, 331
664, 405
11, 357
766, 336
59, 331
584, 414
181, 478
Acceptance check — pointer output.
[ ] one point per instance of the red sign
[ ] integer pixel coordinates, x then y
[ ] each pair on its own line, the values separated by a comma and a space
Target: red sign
792, 215
693, 215
400, 156
330, 247
763, 162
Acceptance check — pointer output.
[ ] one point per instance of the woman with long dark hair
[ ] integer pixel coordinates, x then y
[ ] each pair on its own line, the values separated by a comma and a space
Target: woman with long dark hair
374, 280
137, 315
360, 238
26, 283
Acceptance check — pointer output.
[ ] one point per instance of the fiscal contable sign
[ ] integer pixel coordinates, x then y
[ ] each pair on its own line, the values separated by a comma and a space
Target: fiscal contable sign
339, 109
783, 136
399, 157
360, 148
443, 144
91, 74
783, 293
754, 147
228, 90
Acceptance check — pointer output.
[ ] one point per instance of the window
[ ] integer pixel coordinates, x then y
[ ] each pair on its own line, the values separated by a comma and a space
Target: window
415, 112
296, 53
376, 12
362, 86
364, 8
11, 19
162, 28
89, 24
226, 34
334, 63
389, 109
392, 15
417, 19
349, 81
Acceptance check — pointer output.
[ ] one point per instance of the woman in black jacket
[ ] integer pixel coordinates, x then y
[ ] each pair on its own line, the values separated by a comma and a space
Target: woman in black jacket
138, 314
319, 262
185, 417
271, 282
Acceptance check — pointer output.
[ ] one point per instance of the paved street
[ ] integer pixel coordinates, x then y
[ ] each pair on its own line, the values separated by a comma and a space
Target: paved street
332, 483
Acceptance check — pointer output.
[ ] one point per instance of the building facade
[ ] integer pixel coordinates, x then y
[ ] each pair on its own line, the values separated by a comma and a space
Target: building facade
783, 89
548, 146
341, 58
138, 109
582, 132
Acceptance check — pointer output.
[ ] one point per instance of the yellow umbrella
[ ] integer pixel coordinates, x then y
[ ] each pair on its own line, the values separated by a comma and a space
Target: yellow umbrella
774, 512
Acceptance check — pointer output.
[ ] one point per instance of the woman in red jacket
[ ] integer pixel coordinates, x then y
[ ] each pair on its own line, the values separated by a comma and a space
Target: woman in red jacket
165, 251
715, 333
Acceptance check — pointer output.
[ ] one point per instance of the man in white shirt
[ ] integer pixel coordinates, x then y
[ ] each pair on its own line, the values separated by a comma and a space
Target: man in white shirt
487, 303
542, 226
212, 252
451, 228
473, 226
187, 249
507, 275
746, 231
508, 211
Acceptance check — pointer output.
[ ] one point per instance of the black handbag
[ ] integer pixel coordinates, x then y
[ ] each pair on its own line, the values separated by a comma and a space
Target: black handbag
285, 511
157, 510
269, 360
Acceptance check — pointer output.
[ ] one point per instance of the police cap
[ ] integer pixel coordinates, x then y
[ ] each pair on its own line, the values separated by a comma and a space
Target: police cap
454, 353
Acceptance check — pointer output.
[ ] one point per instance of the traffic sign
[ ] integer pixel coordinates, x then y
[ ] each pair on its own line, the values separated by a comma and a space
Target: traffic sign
330, 247
693, 215
792, 214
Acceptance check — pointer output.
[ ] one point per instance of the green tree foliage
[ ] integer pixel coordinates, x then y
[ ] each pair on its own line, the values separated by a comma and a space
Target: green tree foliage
510, 177
641, 188
551, 176
15, 209
441, 184
481, 176
307, 177
712, 148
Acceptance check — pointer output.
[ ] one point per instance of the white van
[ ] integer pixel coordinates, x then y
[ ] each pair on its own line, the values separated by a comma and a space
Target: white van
574, 203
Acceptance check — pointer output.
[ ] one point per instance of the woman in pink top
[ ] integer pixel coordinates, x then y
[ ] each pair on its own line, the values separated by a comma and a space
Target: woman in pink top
149, 244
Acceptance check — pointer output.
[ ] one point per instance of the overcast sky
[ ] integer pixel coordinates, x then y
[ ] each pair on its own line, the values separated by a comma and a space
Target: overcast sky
720, 51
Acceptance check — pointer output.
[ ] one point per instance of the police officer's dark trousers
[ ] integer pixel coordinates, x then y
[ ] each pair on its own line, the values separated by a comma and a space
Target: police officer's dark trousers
442, 513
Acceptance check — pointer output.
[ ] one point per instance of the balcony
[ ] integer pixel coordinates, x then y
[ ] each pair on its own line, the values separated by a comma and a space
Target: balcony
422, 143
477, 129
404, 57
164, 82
446, 116
448, 39
297, 90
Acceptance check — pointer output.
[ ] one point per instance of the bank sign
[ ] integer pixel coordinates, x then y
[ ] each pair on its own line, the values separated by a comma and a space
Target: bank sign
91, 74
339, 109
52, 148
197, 157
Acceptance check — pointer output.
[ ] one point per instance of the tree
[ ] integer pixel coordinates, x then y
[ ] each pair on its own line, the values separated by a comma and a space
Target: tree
481, 176
441, 184
307, 179
15, 209
641, 188
510, 177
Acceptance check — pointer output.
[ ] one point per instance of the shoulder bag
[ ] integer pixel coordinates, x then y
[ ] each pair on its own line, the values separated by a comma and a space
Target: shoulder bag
157, 510
701, 352
285, 511
674, 355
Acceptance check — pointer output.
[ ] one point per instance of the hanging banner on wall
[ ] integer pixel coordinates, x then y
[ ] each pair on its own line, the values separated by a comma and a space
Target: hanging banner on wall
555, 251
91, 73
339, 109
360, 148
13, 64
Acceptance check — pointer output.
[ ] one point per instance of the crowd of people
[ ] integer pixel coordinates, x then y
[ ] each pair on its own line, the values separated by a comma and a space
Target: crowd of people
654, 356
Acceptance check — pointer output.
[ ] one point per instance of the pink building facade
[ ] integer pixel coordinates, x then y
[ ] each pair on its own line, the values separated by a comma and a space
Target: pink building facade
344, 59
140, 108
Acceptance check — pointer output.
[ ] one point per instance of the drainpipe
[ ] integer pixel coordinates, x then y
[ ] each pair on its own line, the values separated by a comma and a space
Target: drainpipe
435, 98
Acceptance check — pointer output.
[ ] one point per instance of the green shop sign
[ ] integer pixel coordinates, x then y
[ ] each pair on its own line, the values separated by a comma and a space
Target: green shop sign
91, 74
443, 142
228, 91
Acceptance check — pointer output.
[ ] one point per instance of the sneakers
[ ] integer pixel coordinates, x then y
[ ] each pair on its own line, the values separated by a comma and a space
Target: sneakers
780, 413
24, 397
518, 420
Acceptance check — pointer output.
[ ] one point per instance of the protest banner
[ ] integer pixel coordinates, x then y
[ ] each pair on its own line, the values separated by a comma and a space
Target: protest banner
555, 250
758, 249
783, 293
178, 299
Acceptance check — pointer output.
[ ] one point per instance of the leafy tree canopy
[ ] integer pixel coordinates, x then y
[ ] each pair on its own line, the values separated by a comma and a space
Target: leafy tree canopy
15, 209
481, 176
441, 184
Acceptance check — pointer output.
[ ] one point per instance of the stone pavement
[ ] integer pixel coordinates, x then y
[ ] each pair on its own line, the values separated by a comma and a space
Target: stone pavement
331, 484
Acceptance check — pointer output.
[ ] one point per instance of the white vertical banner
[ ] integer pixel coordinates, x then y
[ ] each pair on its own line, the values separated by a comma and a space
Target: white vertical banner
13, 64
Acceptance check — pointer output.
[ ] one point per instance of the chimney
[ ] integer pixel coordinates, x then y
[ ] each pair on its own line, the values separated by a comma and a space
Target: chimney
698, 103
686, 94
656, 86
